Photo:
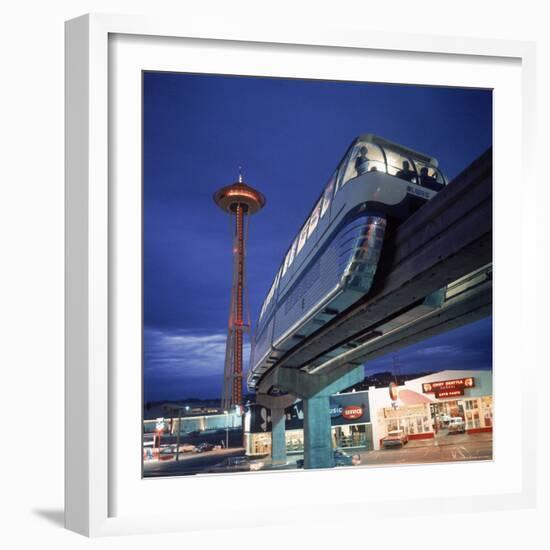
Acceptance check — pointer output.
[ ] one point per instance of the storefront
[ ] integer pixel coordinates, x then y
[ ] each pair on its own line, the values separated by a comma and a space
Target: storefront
189, 424
350, 419
424, 407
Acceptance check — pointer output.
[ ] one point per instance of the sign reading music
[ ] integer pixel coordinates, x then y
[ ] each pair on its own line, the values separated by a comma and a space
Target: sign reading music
448, 388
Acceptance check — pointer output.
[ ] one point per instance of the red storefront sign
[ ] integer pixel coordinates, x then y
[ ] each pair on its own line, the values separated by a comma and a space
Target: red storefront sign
449, 393
352, 412
448, 388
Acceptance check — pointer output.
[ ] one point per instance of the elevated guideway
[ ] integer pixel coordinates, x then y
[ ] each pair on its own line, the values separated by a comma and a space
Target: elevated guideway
466, 300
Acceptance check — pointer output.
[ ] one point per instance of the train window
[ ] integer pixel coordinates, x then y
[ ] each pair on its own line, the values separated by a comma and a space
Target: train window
289, 258
286, 263
328, 195
400, 166
429, 176
342, 168
276, 282
347, 171
292, 251
369, 158
439, 177
314, 219
270, 294
365, 157
302, 238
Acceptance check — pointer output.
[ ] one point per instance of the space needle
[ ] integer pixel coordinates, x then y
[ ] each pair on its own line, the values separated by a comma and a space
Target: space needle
239, 200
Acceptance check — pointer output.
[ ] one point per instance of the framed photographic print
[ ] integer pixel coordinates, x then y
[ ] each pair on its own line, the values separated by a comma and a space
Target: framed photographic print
287, 264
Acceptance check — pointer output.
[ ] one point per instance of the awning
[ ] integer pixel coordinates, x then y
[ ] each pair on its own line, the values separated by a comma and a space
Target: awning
410, 397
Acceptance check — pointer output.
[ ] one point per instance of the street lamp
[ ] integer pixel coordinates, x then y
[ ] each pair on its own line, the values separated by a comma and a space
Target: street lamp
159, 428
226, 429
239, 411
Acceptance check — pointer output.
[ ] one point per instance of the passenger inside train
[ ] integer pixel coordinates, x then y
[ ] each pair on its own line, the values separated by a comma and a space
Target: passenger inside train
361, 162
406, 173
372, 159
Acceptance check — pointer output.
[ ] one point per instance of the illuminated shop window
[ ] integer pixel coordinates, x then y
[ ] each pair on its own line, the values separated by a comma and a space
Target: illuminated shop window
294, 441
487, 410
356, 435
413, 419
472, 414
260, 444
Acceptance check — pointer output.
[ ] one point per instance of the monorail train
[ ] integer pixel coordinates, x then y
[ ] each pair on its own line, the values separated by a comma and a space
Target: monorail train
332, 261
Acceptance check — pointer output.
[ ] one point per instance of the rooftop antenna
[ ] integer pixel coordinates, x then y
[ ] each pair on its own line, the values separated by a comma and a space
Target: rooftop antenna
240, 174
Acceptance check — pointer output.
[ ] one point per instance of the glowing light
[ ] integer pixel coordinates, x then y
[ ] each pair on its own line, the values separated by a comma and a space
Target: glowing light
241, 193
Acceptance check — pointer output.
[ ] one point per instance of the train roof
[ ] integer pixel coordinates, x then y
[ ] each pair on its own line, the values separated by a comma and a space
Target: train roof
398, 148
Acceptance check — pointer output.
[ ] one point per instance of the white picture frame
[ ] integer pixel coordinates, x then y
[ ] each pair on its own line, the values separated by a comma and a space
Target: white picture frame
94, 218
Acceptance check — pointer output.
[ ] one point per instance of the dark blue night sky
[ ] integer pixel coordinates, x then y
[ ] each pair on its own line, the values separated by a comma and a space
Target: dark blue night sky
288, 135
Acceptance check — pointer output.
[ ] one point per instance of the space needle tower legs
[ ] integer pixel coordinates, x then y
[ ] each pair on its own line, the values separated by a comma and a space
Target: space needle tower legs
239, 200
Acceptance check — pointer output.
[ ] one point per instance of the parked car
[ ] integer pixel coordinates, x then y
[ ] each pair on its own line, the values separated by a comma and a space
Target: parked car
167, 453
457, 425
444, 420
236, 464
148, 446
395, 438
203, 447
185, 448
343, 459
340, 459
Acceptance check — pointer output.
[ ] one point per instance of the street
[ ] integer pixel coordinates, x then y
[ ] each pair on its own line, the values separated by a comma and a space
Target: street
449, 448
188, 463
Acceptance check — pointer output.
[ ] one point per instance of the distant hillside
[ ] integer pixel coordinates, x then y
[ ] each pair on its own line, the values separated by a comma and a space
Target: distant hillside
156, 409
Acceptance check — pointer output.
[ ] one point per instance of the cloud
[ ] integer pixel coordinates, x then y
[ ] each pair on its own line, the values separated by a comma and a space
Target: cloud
438, 350
467, 347
183, 357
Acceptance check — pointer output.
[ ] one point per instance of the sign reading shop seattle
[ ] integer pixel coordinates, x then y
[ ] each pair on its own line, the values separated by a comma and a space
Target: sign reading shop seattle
448, 388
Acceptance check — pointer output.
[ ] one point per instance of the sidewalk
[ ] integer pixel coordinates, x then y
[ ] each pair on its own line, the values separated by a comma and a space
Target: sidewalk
189, 456
445, 439
268, 465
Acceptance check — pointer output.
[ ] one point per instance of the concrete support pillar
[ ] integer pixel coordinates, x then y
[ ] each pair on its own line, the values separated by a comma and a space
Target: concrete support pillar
277, 406
278, 439
318, 452
315, 391
373, 413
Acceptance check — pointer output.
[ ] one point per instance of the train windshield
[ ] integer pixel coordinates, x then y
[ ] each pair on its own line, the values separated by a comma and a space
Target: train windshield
365, 156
